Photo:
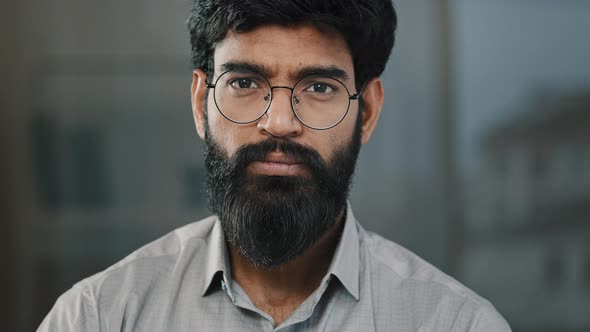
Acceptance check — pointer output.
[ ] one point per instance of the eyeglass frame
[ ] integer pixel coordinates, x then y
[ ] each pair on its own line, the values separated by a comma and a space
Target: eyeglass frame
355, 96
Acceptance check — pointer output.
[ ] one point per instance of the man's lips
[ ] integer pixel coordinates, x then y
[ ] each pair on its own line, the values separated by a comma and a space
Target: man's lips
278, 165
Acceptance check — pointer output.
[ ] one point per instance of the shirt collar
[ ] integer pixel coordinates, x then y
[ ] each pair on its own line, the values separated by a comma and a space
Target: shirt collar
217, 259
345, 263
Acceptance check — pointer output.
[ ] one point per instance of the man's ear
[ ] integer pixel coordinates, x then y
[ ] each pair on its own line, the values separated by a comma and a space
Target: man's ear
373, 103
198, 91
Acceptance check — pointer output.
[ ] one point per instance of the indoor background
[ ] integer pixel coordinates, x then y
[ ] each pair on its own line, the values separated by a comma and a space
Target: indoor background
480, 162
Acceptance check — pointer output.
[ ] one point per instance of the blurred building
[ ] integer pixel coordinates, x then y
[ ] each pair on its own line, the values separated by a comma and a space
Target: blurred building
530, 217
107, 170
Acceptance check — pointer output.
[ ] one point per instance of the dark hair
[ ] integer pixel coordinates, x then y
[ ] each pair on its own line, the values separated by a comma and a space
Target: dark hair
368, 26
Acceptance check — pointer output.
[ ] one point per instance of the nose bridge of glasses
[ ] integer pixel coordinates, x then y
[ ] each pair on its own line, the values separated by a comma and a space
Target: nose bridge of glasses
283, 106
282, 87
290, 93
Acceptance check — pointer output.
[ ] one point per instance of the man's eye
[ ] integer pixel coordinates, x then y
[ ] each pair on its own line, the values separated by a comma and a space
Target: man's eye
244, 83
320, 88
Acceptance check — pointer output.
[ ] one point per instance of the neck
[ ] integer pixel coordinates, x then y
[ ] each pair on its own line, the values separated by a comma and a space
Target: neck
289, 284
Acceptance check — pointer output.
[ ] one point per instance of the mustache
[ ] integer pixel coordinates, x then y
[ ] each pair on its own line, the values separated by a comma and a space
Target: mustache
258, 152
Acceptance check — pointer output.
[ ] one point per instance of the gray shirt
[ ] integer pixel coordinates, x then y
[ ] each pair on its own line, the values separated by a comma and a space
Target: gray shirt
182, 282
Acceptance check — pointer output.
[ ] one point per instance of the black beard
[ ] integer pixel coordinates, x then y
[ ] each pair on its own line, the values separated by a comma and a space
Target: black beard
271, 220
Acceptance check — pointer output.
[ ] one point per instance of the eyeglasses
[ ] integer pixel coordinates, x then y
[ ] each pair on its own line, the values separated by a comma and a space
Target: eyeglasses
319, 102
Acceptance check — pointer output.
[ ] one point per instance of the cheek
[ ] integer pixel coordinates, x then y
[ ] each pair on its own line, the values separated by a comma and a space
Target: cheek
340, 136
226, 134
326, 143
219, 129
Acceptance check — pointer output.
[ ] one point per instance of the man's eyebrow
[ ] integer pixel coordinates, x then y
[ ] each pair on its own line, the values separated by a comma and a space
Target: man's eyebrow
329, 71
245, 66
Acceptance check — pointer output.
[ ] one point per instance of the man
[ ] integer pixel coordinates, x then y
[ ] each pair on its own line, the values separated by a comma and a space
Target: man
284, 93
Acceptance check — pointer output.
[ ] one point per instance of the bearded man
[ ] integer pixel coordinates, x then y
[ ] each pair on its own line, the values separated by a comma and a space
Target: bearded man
284, 93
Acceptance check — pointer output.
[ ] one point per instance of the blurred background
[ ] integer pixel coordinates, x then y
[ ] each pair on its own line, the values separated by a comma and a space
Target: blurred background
480, 162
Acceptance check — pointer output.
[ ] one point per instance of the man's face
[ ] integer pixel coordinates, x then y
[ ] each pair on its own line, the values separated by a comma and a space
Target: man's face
277, 185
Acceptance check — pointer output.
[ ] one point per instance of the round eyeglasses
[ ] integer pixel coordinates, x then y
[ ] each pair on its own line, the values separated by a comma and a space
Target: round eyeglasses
318, 102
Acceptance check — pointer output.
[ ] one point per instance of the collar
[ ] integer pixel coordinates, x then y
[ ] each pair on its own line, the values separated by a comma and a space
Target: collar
346, 261
344, 266
216, 258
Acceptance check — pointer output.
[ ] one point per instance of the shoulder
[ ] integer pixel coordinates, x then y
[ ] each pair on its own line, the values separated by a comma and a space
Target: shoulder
145, 275
432, 296
158, 255
405, 266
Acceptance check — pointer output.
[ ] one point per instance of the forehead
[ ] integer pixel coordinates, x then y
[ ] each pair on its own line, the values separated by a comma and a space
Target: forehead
285, 50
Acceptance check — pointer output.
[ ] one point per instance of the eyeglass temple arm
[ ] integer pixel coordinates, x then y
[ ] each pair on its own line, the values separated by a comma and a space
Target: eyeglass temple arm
357, 95
210, 85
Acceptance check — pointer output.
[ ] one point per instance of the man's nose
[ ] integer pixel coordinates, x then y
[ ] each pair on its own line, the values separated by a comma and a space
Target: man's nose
279, 120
